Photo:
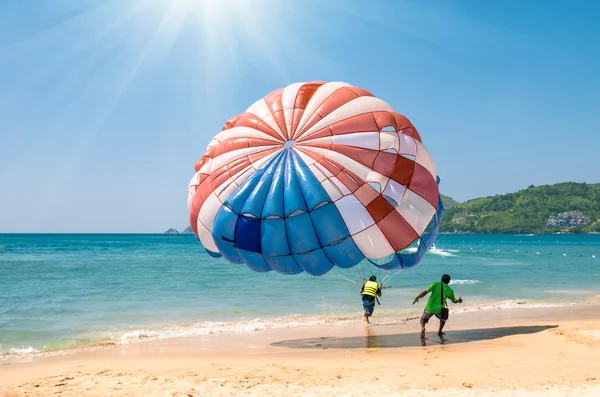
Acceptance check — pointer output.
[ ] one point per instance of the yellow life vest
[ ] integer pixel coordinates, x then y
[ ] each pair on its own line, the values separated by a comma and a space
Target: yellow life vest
370, 288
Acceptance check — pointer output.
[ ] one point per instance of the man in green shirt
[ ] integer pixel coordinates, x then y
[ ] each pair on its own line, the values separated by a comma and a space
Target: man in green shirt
436, 304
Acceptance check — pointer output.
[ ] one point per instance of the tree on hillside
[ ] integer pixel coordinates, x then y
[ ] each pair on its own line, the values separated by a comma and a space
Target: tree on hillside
525, 211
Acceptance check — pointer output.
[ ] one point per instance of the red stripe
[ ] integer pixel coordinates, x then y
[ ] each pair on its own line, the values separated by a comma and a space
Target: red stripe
365, 194
345, 176
257, 156
238, 166
424, 184
379, 208
232, 122
275, 105
359, 123
396, 167
250, 120
347, 181
203, 160
304, 95
232, 144
337, 99
364, 156
367, 122
397, 231
385, 162
218, 179
396, 120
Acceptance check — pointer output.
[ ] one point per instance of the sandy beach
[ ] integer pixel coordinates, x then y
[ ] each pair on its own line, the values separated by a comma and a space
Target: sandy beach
509, 352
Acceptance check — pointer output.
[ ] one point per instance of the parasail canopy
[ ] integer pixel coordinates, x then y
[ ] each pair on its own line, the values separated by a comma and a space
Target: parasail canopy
316, 175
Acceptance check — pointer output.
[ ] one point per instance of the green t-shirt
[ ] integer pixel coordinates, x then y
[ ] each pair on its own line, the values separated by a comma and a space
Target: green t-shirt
434, 303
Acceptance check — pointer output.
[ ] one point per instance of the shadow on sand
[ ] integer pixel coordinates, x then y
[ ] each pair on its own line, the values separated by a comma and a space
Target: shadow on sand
410, 340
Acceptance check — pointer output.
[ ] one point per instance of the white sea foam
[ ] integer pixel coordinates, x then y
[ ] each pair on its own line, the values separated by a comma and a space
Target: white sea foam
462, 282
215, 327
571, 292
433, 250
512, 304
23, 351
441, 252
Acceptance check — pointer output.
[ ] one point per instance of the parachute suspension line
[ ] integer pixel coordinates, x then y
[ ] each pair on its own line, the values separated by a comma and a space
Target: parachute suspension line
389, 276
370, 268
392, 276
342, 278
405, 286
360, 274
386, 278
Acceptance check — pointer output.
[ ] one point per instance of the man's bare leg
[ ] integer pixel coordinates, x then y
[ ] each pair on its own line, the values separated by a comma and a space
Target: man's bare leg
423, 327
442, 323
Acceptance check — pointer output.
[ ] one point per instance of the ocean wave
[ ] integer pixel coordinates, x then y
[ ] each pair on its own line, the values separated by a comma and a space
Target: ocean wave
571, 292
512, 304
460, 282
24, 351
433, 250
441, 252
211, 328
169, 331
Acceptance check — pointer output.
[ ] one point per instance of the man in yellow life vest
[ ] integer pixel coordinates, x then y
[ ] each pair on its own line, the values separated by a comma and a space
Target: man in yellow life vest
370, 291
436, 304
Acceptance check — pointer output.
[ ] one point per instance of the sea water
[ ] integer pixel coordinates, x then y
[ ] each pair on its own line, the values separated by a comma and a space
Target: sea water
62, 292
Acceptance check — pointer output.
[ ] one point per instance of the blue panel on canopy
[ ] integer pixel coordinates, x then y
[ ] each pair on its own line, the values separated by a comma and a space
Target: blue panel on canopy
213, 254
293, 199
228, 251
396, 262
224, 234
254, 261
274, 237
301, 234
283, 264
311, 188
256, 200
344, 254
274, 200
240, 195
247, 234
314, 263
224, 226
328, 224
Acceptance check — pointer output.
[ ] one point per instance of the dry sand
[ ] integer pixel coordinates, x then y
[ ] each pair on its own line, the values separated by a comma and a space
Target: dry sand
517, 352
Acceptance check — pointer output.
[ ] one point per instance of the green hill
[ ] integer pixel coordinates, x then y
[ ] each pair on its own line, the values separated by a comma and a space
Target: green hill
449, 202
537, 209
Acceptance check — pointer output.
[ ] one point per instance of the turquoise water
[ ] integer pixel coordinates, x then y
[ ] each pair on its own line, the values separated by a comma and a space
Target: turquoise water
69, 291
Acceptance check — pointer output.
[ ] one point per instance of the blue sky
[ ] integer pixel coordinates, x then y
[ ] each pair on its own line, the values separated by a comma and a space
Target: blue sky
105, 106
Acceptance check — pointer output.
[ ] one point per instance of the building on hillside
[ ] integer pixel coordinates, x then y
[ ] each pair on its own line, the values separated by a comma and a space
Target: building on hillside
568, 219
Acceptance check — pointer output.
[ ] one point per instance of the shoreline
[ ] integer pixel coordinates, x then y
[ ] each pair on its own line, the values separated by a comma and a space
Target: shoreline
254, 326
554, 349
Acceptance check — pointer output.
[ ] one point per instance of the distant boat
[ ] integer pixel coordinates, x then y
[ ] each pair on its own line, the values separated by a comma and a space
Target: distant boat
433, 248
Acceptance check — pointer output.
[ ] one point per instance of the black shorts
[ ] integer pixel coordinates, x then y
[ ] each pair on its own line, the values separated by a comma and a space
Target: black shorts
427, 316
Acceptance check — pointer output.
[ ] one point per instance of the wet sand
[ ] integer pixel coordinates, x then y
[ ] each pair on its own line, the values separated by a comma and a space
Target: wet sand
510, 352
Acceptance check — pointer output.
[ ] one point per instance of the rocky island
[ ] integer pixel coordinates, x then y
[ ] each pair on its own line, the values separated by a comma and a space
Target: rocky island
187, 230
